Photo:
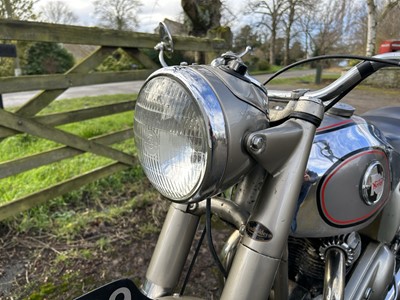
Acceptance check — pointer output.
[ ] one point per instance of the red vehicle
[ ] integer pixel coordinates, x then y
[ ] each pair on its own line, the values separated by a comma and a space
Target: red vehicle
389, 46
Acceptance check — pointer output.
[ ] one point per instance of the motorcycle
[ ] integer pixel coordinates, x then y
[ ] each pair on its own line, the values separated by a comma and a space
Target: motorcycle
312, 190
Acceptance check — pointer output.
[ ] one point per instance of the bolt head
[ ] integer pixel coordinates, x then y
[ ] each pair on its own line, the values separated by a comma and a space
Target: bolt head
257, 143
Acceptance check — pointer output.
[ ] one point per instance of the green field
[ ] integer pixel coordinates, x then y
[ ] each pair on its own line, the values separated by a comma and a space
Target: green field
23, 145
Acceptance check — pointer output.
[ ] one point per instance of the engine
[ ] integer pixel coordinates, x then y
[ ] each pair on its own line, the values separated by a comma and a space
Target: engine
306, 261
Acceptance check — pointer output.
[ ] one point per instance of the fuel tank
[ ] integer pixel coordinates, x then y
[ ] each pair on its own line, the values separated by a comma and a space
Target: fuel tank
348, 178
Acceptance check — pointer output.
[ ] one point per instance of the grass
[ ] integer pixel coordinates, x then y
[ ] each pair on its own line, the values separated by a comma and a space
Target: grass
101, 201
308, 80
274, 68
82, 228
271, 70
23, 145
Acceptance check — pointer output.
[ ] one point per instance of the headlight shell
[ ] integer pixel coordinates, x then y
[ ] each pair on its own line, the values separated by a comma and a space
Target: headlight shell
182, 132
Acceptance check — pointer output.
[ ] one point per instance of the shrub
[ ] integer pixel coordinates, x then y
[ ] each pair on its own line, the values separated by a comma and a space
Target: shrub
6, 66
118, 61
264, 65
47, 58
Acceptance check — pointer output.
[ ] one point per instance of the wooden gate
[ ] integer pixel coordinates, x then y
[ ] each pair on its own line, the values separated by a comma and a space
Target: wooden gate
26, 119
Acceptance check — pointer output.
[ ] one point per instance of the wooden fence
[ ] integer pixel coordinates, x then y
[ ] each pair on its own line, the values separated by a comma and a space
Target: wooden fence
25, 119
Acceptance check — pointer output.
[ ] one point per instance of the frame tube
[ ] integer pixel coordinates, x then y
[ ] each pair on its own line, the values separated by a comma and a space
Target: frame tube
335, 272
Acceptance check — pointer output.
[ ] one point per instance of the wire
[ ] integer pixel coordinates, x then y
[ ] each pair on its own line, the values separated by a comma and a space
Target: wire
338, 56
196, 253
210, 241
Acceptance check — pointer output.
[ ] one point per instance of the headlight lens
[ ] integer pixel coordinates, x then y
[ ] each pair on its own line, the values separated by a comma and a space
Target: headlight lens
171, 138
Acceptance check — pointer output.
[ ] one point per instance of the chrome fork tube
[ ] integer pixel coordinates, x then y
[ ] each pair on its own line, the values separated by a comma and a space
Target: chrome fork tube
335, 272
284, 155
394, 291
171, 252
280, 289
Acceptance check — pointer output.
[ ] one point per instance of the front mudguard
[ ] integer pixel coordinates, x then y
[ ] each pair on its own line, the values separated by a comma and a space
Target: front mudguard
126, 288
112, 290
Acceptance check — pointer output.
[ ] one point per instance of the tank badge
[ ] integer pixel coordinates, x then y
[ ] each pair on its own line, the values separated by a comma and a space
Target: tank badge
373, 183
258, 232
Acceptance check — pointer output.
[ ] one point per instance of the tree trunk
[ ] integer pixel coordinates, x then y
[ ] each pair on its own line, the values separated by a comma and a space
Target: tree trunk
286, 56
272, 48
8, 9
372, 26
203, 15
288, 30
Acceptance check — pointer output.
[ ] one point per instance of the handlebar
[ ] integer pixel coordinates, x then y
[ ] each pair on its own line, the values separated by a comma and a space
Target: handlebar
342, 85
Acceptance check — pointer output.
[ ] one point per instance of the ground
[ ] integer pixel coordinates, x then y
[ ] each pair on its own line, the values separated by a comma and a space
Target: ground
39, 263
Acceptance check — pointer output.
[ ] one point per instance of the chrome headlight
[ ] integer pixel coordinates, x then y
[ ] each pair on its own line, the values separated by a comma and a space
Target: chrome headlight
182, 132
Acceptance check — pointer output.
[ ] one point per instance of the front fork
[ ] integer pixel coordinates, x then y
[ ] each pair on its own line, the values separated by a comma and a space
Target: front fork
171, 252
283, 152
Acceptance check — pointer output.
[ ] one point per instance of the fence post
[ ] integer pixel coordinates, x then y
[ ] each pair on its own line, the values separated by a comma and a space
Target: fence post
7, 50
223, 33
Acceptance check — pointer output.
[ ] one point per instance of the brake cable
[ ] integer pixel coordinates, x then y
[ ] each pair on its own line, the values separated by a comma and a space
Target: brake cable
210, 241
206, 230
196, 253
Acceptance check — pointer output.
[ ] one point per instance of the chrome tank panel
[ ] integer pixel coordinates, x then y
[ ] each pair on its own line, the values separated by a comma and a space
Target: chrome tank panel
347, 181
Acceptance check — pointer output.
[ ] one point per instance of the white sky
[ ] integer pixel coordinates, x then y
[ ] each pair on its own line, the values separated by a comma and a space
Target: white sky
152, 11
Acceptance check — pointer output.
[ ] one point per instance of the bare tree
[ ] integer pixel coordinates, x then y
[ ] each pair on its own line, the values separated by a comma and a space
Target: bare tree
17, 9
356, 34
293, 12
336, 26
117, 14
331, 26
246, 37
389, 26
376, 13
228, 15
307, 23
58, 12
271, 13
372, 24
